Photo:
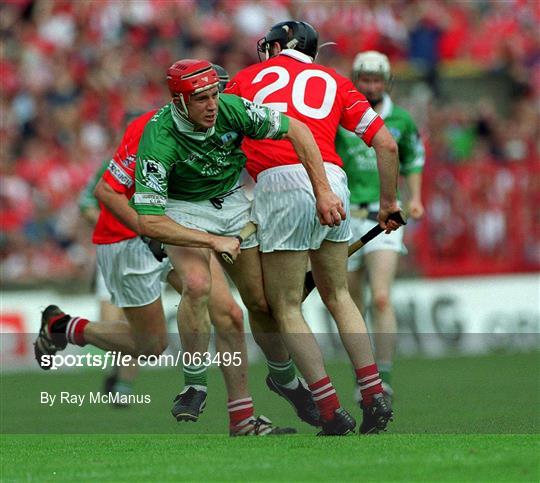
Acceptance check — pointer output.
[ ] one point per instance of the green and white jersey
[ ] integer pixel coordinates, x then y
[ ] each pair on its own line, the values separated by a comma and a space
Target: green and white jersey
174, 161
87, 198
360, 161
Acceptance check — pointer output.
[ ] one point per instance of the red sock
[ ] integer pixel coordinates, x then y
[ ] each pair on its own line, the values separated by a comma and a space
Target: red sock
325, 398
240, 411
75, 330
369, 381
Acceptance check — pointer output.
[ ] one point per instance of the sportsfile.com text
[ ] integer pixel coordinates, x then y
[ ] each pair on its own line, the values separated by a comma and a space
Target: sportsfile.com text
118, 359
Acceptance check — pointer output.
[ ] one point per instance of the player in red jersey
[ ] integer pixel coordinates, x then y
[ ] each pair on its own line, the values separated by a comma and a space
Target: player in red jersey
119, 380
284, 207
133, 276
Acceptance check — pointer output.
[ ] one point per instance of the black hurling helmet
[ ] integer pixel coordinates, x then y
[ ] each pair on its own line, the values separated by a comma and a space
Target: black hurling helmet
299, 36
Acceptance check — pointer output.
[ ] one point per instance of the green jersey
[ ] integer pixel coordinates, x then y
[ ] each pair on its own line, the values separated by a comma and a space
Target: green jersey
360, 161
174, 161
86, 198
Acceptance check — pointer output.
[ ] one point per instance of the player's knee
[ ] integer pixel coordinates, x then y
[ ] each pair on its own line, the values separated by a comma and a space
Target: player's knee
381, 301
230, 317
237, 317
286, 316
258, 305
335, 297
197, 286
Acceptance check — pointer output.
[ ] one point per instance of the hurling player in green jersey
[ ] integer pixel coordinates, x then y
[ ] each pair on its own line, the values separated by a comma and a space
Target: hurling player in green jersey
379, 259
188, 196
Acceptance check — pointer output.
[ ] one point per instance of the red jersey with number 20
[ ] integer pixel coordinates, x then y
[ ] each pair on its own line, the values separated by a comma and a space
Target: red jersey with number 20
120, 175
318, 96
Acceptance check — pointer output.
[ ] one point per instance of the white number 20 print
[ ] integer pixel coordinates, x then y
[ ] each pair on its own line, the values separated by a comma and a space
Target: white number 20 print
298, 96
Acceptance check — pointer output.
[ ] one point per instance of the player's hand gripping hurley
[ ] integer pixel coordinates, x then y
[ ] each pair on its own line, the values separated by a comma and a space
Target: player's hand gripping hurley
398, 217
247, 231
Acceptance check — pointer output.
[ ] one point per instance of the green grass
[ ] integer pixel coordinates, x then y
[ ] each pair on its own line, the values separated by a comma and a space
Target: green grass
292, 458
459, 419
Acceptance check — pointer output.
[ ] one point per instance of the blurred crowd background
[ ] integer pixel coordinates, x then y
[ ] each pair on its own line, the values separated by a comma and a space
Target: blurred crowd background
469, 71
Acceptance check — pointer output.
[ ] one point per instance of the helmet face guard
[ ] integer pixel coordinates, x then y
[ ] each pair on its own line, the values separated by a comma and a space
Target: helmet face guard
223, 76
263, 49
190, 76
299, 36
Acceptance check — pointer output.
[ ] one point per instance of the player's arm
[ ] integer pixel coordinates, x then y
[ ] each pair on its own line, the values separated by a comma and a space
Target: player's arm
91, 215
415, 206
88, 204
359, 117
118, 204
412, 158
329, 206
166, 230
388, 165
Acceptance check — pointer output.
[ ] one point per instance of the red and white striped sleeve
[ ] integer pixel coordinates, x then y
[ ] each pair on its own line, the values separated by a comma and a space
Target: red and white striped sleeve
357, 115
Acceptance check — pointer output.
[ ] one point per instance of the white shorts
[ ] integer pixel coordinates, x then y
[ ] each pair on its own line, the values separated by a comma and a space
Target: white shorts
101, 289
203, 215
284, 209
132, 275
393, 242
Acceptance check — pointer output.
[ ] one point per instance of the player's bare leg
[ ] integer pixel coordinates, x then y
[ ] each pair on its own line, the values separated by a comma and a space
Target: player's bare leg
193, 268
120, 379
111, 336
381, 267
138, 337
356, 283
228, 320
284, 291
246, 273
329, 267
144, 334
149, 327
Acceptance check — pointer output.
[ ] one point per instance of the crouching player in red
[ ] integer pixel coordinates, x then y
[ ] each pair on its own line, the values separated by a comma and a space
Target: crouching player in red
120, 379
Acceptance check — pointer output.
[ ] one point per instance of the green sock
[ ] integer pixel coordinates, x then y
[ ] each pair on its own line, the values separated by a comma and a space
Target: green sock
123, 387
385, 371
195, 375
282, 373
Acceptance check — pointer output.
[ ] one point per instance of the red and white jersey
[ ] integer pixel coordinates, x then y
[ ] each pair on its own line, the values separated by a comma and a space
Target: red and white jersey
316, 95
120, 175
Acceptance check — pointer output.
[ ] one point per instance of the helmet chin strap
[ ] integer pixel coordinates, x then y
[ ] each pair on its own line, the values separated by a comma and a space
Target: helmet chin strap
182, 111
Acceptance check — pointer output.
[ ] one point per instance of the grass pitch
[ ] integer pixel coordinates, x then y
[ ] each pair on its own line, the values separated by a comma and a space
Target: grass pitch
457, 419
390, 457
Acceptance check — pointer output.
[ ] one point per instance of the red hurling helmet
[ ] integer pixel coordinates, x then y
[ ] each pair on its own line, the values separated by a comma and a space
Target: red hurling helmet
190, 76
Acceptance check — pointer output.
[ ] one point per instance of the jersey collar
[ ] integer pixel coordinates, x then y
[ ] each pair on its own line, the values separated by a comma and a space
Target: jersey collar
386, 107
297, 55
188, 128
